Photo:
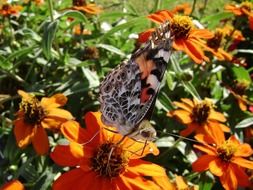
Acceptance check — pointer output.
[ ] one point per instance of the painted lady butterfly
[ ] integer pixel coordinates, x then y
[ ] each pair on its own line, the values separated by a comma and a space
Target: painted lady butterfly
128, 93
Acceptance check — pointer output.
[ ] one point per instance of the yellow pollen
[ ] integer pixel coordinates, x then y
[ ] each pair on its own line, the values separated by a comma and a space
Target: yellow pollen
181, 26
33, 112
201, 111
109, 160
226, 151
247, 5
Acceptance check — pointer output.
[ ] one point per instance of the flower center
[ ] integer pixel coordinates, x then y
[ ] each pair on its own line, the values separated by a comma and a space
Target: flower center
79, 3
226, 151
201, 112
215, 42
246, 5
240, 87
109, 160
181, 26
6, 7
34, 113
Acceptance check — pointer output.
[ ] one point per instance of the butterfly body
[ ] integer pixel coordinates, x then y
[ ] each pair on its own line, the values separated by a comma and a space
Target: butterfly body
128, 93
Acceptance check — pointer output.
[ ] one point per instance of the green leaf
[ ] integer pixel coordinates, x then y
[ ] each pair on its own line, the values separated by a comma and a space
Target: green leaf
214, 19
74, 14
245, 123
48, 37
205, 182
127, 25
112, 15
111, 49
241, 74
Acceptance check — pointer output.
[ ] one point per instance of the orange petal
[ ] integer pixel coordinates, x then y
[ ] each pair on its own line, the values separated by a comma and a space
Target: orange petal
65, 155
202, 163
61, 113
188, 102
207, 148
140, 167
24, 95
241, 175
183, 106
242, 162
160, 16
183, 116
144, 36
52, 123
13, 185
71, 180
201, 33
217, 167
54, 101
215, 131
244, 150
40, 141
190, 128
139, 149
190, 49
228, 179
73, 132
214, 115
23, 133
181, 183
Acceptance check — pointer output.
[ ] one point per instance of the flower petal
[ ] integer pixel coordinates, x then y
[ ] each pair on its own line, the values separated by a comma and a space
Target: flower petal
13, 185
242, 162
207, 148
54, 101
160, 16
244, 150
23, 133
60, 113
183, 106
201, 33
241, 175
40, 141
144, 36
228, 179
190, 128
182, 115
71, 180
202, 163
217, 167
214, 115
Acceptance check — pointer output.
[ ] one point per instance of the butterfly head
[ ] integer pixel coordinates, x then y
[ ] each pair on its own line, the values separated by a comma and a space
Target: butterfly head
144, 132
162, 36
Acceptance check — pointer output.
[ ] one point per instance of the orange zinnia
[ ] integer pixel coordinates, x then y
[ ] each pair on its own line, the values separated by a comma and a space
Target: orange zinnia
81, 5
244, 8
184, 8
13, 185
35, 116
186, 37
103, 160
215, 46
225, 159
7, 9
198, 116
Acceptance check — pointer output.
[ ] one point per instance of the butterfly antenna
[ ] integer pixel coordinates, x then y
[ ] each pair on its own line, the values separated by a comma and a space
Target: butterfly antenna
91, 139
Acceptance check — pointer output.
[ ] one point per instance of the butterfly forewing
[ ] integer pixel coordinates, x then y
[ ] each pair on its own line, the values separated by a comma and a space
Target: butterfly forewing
128, 93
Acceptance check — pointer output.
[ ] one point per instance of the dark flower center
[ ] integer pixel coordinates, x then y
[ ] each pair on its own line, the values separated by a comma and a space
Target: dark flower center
79, 3
109, 160
181, 26
201, 112
34, 113
6, 7
215, 42
226, 151
240, 87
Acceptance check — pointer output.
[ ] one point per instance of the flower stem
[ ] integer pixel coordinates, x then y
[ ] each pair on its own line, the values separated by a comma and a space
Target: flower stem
193, 6
50, 5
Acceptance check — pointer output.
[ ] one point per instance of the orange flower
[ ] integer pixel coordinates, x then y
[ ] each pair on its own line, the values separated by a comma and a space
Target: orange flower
103, 160
244, 8
7, 9
215, 46
238, 91
78, 30
187, 38
13, 185
225, 159
184, 8
35, 116
81, 5
198, 116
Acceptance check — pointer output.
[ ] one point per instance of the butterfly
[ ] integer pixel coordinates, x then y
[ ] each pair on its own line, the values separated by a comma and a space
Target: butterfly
128, 93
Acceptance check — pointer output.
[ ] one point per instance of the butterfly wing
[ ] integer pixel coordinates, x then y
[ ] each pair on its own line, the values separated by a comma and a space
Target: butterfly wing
128, 93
